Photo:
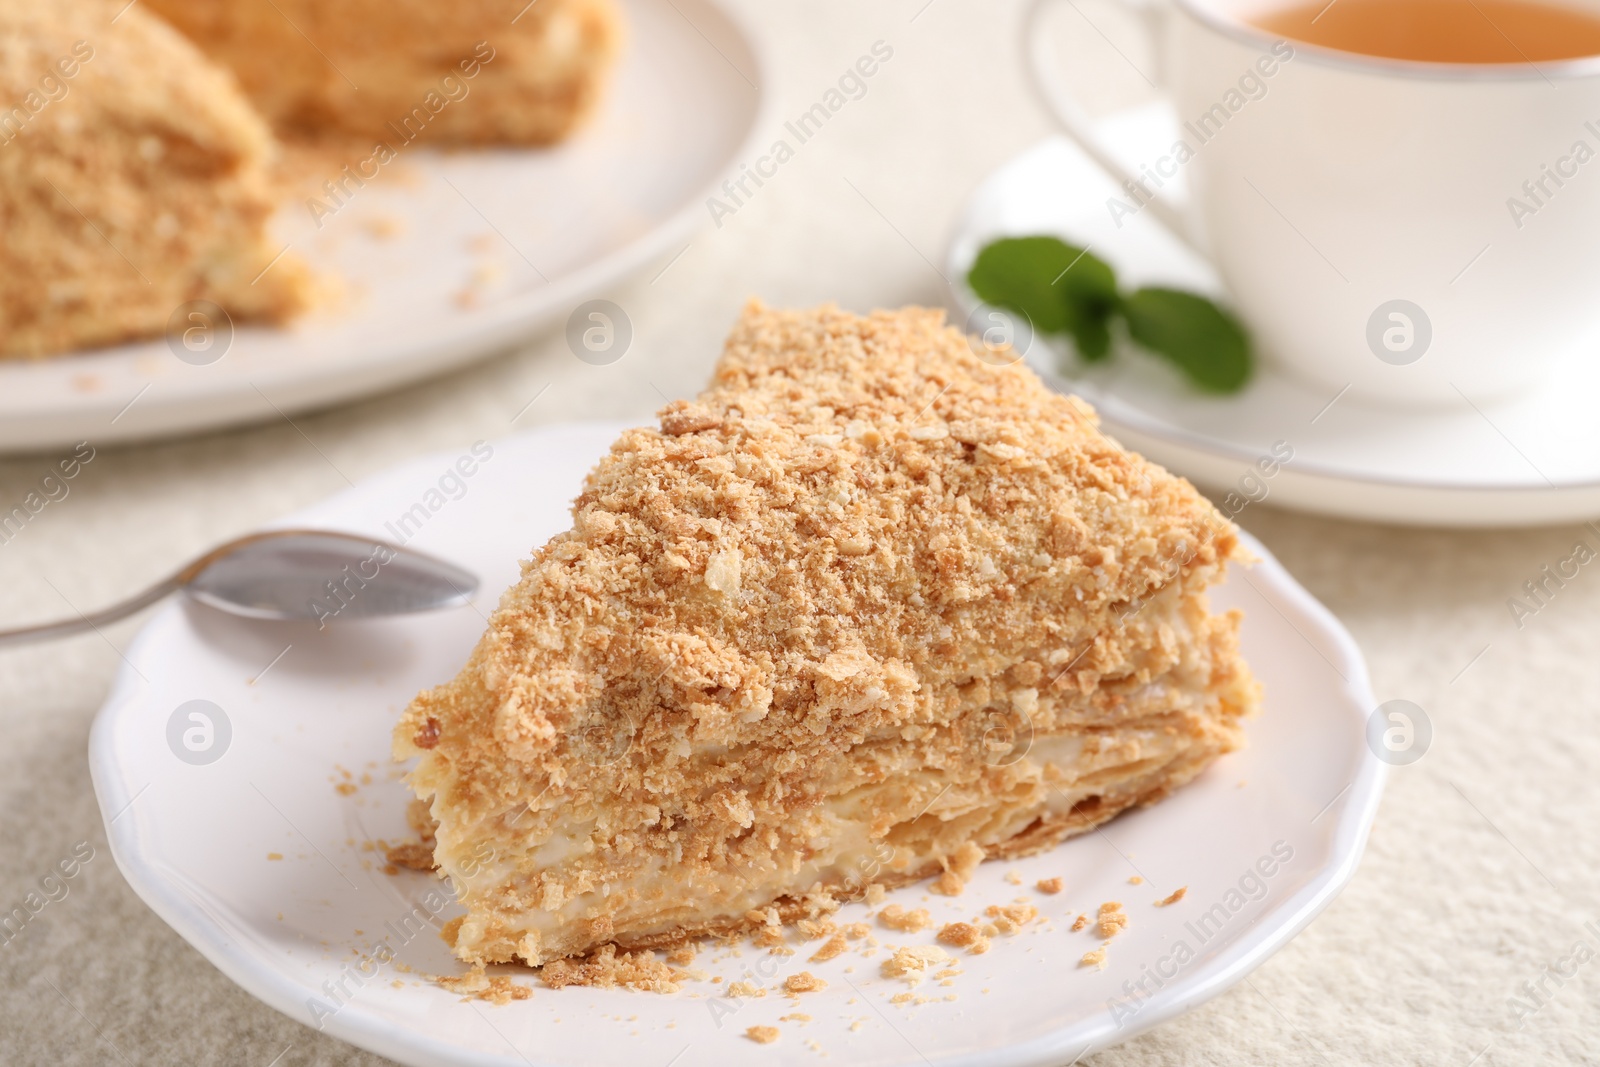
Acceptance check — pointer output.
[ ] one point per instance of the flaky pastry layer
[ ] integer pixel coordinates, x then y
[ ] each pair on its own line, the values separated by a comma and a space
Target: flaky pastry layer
394, 71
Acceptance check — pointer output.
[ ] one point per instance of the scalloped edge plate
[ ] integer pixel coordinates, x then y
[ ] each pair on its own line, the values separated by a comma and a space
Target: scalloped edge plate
457, 256
304, 706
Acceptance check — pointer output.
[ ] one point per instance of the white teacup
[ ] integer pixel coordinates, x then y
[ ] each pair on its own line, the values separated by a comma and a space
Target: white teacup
1419, 232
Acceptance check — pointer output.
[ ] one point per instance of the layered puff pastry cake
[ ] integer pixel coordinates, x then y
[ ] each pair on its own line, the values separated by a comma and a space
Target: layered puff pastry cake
464, 72
134, 177
868, 611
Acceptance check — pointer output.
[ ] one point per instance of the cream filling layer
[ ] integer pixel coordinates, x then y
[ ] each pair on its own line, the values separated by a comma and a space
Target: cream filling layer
1056, 774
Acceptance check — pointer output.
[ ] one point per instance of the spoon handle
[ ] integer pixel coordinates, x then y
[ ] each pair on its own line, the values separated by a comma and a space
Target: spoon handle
92, 621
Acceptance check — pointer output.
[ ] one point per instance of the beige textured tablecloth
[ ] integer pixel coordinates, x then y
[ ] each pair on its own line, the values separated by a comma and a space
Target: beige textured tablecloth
1481, 870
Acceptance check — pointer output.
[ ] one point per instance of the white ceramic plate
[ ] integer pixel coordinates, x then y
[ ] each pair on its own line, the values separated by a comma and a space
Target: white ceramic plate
1530, 461
193, 840
486, 247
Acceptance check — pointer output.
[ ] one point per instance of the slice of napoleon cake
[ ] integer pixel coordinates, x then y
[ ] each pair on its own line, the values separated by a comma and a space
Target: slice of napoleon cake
868, 611
134, 178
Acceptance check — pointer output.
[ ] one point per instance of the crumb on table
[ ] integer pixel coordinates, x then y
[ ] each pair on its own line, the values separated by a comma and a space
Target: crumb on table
1052, 886
762, 1035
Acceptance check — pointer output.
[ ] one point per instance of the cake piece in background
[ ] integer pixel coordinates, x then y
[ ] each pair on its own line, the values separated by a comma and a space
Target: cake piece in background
464, 72
868, 611
134, 177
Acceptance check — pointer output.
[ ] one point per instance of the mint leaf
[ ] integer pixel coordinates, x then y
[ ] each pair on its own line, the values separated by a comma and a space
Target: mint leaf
1065, 289
1060, 288
1207, 343
1089, 323
1089, 289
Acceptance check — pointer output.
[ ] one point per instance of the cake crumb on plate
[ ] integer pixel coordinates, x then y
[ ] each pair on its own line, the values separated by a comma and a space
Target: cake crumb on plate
477, 985
1009, 918
912, 963
964, 935
804, 982
1112, 918
897, 918
834, 946
609, 969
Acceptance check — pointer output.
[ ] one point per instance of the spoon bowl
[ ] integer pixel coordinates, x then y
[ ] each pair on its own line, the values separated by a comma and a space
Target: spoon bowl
316, 574
293, 574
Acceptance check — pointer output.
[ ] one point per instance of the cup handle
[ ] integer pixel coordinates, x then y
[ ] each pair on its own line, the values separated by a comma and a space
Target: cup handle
1064, 108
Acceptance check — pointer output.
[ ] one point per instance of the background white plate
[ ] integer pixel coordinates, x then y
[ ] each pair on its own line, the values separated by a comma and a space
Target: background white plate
1525, 462
193, 840
490, 245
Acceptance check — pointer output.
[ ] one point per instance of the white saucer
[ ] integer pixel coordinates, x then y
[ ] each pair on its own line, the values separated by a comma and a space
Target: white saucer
1531, 461
194, 840
486, 246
